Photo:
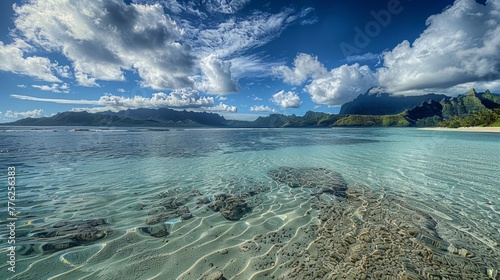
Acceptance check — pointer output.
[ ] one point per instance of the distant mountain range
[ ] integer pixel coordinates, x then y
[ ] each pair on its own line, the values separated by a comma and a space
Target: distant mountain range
140, 117
385, 103
169, 117
430, 113
381, 109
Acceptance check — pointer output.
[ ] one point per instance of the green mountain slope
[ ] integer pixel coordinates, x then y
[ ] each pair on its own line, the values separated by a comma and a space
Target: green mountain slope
482, 118
453, 108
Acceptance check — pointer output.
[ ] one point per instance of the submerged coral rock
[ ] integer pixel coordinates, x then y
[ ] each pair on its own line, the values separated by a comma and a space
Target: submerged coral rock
79, 231
181, 212
234, 209
238, 199
186, 216
231, 207
173, 203
59, 245
214, 275
325, 180
218, 202
65, 234
158, 230
201, 201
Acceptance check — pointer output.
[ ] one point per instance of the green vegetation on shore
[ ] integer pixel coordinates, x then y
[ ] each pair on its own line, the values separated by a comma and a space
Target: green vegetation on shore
351, 120
481, 118
385, 120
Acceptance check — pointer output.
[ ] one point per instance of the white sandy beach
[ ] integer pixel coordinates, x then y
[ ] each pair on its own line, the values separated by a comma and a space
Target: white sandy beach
465, 129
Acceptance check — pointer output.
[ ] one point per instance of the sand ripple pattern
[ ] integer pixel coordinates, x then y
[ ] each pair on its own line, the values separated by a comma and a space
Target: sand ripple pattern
374, 236
131, 205
295, 230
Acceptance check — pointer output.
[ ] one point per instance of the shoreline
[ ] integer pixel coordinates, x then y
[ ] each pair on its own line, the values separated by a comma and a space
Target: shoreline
489, 129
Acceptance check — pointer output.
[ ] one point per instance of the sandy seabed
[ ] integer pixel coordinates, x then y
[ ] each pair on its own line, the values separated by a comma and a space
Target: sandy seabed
356, 234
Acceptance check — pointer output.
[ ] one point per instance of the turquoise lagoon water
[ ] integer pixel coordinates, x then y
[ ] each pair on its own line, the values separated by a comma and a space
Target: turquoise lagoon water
119, 175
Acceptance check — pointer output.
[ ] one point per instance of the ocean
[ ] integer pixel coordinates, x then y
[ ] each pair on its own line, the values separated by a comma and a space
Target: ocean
281, 203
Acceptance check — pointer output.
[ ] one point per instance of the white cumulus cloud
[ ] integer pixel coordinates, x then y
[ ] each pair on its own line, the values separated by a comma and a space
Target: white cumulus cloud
14, 60
58, 88
341, 84
169, 44
221, 107
13, 115
287, 100
459, 45
458, 50
102, 39
199, 8
305, 67
172, 5
178, 99
225, 6
216, 76
334, 87
262, 108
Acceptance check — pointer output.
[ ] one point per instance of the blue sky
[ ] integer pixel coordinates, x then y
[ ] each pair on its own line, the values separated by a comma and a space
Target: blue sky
239, 58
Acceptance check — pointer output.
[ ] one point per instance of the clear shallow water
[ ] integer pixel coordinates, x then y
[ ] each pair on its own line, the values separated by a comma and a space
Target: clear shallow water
121, 175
